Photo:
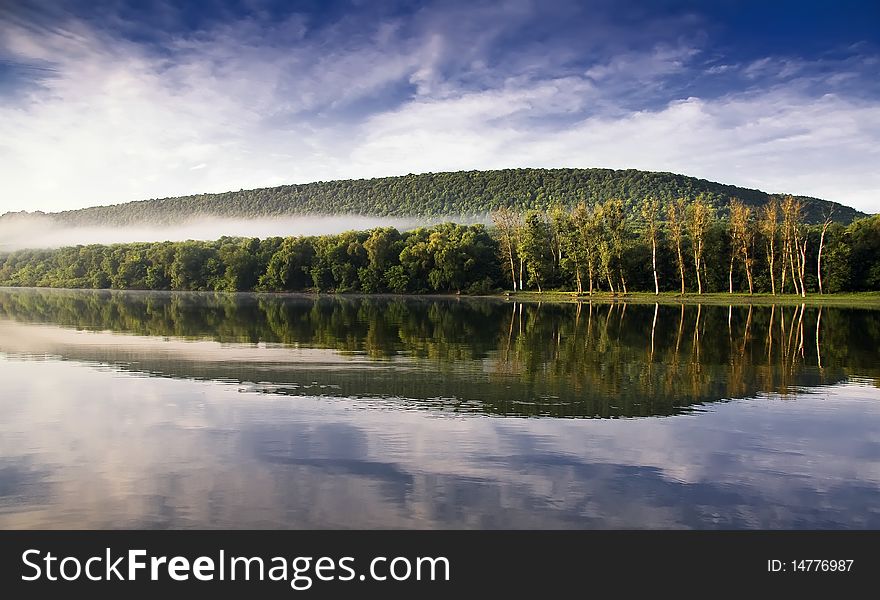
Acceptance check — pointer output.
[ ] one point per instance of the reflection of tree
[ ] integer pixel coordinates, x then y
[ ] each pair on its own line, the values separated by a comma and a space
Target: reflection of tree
612, 359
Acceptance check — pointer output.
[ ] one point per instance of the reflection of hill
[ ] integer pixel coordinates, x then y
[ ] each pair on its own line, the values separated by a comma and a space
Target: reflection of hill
474, 355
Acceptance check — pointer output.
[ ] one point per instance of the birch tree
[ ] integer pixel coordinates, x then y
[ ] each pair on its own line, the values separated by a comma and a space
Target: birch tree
825, 225
675, 213
769, 225
699, 218
508, 224
743, 235
651, 217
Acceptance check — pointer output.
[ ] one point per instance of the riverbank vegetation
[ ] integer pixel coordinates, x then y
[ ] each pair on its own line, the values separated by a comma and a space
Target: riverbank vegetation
608, 247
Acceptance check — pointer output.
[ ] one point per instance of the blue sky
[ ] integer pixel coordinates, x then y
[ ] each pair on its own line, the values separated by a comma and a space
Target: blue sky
111, 101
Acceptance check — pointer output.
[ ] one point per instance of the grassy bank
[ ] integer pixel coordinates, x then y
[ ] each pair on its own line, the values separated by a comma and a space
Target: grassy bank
854, 299
862, 299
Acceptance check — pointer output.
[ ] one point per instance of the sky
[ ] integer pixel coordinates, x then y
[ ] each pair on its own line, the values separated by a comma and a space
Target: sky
107, 101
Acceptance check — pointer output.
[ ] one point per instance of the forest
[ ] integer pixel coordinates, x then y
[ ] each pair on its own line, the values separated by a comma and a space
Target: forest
611, 246
458, 194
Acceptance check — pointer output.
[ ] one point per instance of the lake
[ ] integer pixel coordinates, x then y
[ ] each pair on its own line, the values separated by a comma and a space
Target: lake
202, 410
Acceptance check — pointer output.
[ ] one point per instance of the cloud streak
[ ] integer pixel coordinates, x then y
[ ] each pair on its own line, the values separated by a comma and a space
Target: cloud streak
258, 100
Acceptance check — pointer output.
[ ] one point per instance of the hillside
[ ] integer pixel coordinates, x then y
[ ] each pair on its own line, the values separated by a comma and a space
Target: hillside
464, 193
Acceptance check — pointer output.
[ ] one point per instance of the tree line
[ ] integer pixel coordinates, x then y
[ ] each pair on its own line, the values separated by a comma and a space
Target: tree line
684, 246
443, 258
609, 246
463, 193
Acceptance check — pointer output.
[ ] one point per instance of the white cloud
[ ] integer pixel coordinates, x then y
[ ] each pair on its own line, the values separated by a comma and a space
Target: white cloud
777, 140
251, 105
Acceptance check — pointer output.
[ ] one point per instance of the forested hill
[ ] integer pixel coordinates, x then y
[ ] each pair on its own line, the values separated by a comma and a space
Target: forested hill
463, 193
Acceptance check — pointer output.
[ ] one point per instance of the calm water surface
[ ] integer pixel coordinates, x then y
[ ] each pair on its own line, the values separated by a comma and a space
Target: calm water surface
161, 410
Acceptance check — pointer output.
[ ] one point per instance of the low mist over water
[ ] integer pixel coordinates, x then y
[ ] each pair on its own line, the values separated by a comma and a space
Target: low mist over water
32, 231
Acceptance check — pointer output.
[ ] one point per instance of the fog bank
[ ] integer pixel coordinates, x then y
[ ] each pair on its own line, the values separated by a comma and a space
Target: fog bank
44, 232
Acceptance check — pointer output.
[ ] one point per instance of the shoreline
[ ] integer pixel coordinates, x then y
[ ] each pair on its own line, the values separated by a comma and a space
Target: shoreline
854, 299
868, 299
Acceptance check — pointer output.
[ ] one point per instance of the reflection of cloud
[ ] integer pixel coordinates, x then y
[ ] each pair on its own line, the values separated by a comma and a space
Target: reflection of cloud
134, 451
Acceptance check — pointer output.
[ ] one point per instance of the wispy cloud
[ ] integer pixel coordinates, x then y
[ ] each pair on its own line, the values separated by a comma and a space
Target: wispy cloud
263, 100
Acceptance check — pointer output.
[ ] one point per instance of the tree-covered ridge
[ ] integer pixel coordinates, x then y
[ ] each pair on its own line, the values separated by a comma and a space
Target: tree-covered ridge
462, 193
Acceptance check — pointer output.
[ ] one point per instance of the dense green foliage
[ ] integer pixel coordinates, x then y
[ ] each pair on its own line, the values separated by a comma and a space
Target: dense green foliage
464, 193
444, 258
603, 248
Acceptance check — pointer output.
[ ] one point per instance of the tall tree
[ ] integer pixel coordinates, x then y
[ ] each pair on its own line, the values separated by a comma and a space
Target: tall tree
675, 213
794, 247
743, 234
572, 252
770, 229
699, 219
825, 225
587, 225
612, 225
557, 216
651, 218
535, 248
616, 224
508, 224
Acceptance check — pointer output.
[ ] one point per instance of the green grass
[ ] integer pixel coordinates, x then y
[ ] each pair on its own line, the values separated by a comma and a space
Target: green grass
857, 299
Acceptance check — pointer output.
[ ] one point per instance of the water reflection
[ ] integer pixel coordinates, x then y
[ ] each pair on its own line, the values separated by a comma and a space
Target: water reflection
85, 447
577, 360
152, 410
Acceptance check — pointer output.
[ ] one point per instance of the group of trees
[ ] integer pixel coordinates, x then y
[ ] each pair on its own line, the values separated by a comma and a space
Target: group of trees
613, 245
681, 245
443, 258
462, 194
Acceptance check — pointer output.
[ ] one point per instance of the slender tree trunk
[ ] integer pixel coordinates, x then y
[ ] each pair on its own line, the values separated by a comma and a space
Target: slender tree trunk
522, 262
590, 274
654, 265
803, 268
819, 262
681, 267
749, 276
512, 266
698, 250
730, 274
782, 284
772, 272
623, 282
